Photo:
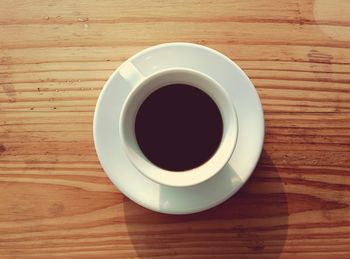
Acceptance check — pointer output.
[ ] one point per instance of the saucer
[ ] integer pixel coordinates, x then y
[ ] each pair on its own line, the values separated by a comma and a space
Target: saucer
180, 200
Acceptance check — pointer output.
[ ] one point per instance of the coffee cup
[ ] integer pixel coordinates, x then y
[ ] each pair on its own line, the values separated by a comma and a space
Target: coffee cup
142, 88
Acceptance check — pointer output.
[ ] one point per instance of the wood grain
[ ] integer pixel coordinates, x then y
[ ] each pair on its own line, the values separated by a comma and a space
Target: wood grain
56, 201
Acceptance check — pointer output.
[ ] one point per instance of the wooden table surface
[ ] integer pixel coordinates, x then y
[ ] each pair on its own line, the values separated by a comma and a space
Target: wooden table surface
57, 202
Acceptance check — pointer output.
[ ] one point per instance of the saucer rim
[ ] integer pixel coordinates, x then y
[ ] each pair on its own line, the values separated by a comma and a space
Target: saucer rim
259, 146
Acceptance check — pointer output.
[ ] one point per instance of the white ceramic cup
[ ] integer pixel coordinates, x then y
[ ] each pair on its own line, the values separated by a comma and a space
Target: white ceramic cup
142, 88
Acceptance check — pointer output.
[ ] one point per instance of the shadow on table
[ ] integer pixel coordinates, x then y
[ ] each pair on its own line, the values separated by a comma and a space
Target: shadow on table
254, 222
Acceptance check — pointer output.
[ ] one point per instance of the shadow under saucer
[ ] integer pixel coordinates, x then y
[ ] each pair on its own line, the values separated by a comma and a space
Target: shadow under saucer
253, 223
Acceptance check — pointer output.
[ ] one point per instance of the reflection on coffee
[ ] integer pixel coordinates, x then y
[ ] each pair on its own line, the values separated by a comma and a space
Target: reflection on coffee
178, 127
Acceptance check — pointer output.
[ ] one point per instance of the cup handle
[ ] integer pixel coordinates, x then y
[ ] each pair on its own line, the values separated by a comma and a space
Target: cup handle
131, 74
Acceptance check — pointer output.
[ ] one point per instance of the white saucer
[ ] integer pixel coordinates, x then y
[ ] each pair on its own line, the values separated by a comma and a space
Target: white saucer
183, 200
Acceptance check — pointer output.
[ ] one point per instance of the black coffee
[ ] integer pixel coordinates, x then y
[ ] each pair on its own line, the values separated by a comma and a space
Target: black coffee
178, 127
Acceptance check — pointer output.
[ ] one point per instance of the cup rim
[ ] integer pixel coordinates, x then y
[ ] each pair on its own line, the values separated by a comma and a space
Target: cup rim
188, 177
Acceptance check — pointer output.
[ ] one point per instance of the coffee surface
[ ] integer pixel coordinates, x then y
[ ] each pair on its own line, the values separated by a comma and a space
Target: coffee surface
178, 127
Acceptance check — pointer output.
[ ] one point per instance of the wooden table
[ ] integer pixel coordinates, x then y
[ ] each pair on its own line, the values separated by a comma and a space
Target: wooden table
57, 202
